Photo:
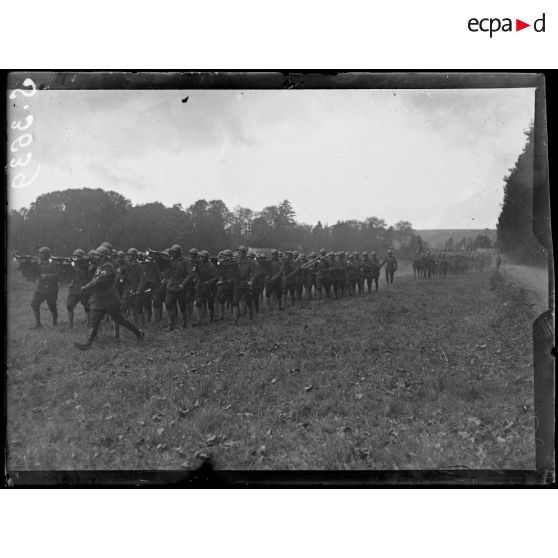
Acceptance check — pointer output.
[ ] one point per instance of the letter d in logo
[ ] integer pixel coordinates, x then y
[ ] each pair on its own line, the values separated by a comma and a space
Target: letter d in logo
539, 24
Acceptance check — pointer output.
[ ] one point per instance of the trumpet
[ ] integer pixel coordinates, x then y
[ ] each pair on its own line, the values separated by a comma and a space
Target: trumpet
25, 258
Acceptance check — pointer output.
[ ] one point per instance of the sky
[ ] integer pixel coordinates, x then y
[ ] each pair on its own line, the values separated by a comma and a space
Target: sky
436, 158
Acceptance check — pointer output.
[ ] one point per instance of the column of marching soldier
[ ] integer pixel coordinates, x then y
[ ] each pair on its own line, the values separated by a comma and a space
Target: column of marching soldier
118, 284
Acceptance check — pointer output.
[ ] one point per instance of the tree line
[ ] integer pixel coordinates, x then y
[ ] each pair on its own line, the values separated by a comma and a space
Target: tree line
64, 220
515, 223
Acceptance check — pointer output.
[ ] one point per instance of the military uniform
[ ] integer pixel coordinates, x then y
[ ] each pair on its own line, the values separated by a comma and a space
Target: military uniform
176, 276
81, 276
366, 270
246, 271
274, 280
153, 299
290, 279
47, 289
375, 267
352, 276
204, 280
228, 276
134, 285
391, 267
105, 300
260, 274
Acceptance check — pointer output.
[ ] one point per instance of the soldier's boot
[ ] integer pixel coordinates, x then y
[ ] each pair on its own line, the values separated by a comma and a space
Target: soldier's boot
54, 317
185, 315
116, 328
250, 312
172, 319
71, 318
236, 311
270, 303
280, 302
38, 324
88, 341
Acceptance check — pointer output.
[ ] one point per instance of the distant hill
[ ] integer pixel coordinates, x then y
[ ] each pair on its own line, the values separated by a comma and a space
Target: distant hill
435, 237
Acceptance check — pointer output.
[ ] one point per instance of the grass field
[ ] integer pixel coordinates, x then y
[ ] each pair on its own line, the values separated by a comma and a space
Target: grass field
426, 375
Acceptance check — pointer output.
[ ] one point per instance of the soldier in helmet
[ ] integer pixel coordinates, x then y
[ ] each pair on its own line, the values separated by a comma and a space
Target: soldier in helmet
174, 279
228, 274
134, 287
80, 276
105, 299
391, 267
47, 288
274, 281
204, 274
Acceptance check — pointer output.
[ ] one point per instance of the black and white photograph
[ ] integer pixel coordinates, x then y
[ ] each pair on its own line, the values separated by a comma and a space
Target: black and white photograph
261, 273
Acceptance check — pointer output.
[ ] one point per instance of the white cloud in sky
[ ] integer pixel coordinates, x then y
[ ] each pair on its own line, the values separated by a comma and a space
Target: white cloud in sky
433, 157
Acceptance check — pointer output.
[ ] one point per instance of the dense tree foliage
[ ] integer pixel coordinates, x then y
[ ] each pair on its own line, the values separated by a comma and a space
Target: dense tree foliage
515, 224
84, 218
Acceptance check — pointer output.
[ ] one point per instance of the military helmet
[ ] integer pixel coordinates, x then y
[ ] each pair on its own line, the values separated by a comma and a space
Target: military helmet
323, 251
176, 248
78, 252
390, 251
364, 254
193, 251
251, 254
107, 244
121, 253
204, 254
44, 250
227, 253
91, 252
312, 255
274, 251
261, 256
132, 252
373, 254
296, 253
102, 251
242, 249
331, 254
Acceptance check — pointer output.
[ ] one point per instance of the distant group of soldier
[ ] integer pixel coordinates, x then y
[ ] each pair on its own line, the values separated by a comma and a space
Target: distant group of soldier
430, 264
137, 285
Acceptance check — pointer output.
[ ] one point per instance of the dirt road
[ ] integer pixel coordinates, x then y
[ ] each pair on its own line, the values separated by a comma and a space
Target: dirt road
534, 279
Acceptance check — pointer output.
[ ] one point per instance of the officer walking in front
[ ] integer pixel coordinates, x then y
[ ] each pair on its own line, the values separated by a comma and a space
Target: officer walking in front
105, 299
